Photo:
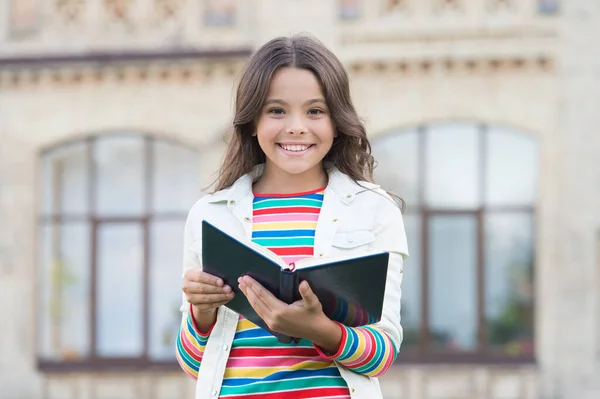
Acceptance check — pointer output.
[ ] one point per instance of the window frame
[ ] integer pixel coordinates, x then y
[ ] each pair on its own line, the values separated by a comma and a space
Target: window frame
422, 353
93, 362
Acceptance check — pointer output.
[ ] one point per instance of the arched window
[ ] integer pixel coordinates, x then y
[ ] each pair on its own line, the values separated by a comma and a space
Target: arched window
111, 225
468, 283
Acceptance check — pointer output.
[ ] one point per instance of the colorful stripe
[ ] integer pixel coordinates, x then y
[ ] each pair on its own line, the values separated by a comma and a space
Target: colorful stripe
365, 350
190, 346
259, 366
285, 224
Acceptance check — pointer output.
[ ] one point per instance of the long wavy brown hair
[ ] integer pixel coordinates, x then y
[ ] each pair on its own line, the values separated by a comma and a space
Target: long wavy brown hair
351, 150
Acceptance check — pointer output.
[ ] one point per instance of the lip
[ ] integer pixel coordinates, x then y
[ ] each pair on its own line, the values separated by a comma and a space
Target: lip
293, 143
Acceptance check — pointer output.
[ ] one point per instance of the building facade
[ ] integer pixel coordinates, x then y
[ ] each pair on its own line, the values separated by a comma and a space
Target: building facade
483, 116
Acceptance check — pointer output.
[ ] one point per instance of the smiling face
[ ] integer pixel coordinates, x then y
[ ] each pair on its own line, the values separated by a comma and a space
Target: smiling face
294, 129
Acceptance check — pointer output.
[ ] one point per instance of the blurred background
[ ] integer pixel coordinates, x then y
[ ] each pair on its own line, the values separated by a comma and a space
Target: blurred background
483, 115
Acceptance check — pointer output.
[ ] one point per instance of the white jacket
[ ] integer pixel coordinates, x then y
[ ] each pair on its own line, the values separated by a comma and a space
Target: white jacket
354, 219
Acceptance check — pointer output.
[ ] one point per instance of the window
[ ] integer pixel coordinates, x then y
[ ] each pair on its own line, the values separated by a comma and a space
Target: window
220, 12
548, 7
112, 213
468, 283
348, 9
24, 17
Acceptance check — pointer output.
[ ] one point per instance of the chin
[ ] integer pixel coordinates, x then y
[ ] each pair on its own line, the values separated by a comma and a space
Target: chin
295, 169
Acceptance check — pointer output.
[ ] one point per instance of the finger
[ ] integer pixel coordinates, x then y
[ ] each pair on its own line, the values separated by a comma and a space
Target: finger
199, 276
257, 304
204, 307
207, 278
261, 292
192, 287
199, 299
308, 295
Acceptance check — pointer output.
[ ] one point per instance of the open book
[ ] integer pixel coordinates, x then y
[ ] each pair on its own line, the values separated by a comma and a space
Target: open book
351, 290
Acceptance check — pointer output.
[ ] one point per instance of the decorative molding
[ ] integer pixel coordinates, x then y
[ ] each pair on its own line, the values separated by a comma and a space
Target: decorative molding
184, 72
105, 58
454, 6
173, 73
515, 33
176, 68
449, 66
395, 6
69, 12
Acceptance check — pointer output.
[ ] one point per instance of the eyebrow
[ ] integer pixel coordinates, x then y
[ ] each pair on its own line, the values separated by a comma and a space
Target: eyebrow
278, 101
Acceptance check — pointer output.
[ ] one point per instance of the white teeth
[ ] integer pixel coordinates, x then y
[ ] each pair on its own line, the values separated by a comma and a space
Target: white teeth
295, 147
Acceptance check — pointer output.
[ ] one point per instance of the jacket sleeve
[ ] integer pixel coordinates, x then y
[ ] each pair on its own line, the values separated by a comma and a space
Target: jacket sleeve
190, 341
371, 350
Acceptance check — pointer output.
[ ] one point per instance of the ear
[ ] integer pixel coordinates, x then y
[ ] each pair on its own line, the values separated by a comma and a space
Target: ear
254, 134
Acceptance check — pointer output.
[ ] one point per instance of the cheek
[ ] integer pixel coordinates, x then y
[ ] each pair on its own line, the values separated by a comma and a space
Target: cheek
326, 131
267, 129
266, 132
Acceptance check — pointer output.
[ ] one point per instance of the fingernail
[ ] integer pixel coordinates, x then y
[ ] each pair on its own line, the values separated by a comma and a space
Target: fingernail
227, 289
219, 282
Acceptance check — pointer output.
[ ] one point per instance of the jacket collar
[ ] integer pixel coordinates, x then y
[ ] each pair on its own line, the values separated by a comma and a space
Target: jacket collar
340, 183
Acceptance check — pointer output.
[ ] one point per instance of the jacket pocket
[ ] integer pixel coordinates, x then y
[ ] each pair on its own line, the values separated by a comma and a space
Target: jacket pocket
353, 239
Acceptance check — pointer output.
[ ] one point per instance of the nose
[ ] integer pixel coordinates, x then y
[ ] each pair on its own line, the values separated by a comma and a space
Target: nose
296, 125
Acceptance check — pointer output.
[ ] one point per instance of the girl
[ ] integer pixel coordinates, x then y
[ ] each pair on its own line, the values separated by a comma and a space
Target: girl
297, 179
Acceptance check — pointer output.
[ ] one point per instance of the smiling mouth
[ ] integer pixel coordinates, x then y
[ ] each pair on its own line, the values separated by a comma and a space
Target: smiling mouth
295, 147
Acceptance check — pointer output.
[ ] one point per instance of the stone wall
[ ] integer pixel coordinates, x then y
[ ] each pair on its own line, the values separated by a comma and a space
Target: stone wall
432, 382
574, 360
406, 68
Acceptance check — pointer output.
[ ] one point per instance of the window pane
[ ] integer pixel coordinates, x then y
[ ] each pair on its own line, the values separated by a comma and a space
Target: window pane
548, 7
119, 290
120, 175
397, 157
348, 9
64, 282
176, 185
165, 286
511, 165
453, 282
220, 12
65, 180
411, 282
452, 166
509, 282
24, 17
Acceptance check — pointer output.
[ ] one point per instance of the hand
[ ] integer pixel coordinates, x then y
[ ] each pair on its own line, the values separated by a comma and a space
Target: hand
301, 319
205, 291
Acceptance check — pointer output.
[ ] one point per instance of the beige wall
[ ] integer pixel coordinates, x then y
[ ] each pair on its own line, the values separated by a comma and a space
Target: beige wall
197, 112
396, 82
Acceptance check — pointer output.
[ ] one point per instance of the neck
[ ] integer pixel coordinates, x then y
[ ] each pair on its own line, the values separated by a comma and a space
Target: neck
280, 182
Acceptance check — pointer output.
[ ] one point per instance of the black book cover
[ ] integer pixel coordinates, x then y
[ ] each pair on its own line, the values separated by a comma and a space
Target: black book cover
351, 290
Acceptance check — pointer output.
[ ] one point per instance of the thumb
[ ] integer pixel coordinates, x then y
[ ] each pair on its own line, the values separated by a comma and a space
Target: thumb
308, 295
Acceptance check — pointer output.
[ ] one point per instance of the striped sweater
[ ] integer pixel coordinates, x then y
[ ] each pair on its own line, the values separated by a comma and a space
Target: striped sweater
259, 365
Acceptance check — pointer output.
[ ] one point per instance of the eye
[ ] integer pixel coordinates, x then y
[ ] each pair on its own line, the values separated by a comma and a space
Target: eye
276, 111
315, 111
